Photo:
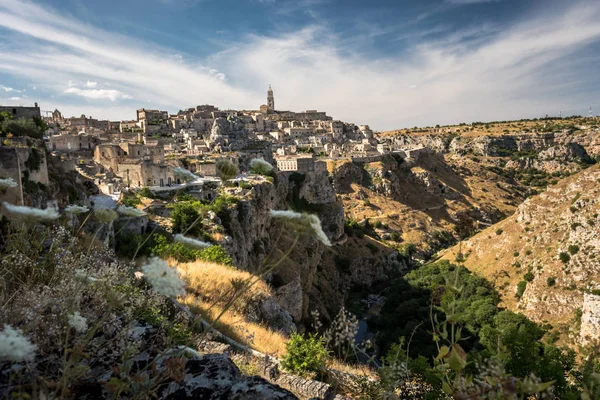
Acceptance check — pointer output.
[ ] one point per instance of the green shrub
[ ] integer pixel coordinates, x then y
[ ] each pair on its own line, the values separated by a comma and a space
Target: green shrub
499, 231
305, 355
573, 249
528, 276
215, 254
516, 254
564, 257
551, 281
395, 236
407, 250
521, 286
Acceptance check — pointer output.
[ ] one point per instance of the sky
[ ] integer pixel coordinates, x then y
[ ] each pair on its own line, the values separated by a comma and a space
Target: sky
386, 63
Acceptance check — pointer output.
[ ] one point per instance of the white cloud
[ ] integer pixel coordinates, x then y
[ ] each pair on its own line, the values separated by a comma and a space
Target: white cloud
91, 84
15, 98
9, 89
98, 94
474, 74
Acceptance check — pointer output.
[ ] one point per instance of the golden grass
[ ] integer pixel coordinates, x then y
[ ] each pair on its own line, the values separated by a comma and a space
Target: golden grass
211, 288
215, 290
355, 369
237, 327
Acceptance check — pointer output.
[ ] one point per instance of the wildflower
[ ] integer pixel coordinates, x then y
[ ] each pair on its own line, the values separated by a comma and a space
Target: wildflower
30, 214
164, 280
14, 346
83, 276
197, 244
130, 211
73, 209
260, 166
184, 174
7, 183
105, 215
78, 322
304, 219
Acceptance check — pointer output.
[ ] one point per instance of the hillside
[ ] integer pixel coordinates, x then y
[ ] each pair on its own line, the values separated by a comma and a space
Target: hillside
544, 258
429, 201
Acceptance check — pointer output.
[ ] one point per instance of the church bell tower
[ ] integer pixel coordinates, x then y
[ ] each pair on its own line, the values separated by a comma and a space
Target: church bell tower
270, 100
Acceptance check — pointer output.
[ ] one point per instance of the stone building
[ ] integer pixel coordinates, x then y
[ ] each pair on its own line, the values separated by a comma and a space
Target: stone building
129, 126
68, 142
20, 112
299, 163
152, 116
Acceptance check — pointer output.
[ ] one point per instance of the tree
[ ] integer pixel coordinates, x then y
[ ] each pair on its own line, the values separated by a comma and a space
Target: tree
186, 218
21, 127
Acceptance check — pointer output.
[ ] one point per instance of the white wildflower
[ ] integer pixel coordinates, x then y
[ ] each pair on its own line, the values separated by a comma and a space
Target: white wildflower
184, 174
305, 219
14, 346
105, 215
164, 279
7, 183
130, 211
30, 214
260, 166
73, 209
198, 244
83, 276
78, 322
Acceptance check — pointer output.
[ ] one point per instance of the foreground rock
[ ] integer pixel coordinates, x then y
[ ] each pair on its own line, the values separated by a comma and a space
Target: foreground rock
215, 376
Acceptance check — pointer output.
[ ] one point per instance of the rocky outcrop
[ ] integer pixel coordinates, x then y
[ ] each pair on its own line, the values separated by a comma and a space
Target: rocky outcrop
560, 158
215, 376
590, 318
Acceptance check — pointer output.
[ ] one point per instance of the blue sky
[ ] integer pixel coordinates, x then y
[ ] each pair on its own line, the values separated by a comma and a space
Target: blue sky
387, 63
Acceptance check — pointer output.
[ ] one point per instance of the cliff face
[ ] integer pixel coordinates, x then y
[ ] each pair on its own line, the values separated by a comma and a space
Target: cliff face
308, 274
428, 199
552, 244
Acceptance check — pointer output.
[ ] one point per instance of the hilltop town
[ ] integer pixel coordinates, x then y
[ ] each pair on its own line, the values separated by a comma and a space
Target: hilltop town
394, 209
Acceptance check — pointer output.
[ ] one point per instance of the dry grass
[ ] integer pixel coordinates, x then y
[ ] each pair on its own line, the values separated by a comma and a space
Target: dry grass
362, 370
211, 288
216, 289
236, 326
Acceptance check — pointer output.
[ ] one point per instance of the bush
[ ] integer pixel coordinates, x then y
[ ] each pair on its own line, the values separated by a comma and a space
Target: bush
551, 281
305, 355
395, 236
215, 254
528, 276
521, 286
573, 249
564, 257
499, 231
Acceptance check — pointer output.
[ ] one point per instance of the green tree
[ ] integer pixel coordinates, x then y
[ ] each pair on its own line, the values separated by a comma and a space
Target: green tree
186, 218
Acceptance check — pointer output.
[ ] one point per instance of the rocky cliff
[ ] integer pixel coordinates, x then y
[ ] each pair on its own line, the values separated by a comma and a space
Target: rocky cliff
310, 275
545, 258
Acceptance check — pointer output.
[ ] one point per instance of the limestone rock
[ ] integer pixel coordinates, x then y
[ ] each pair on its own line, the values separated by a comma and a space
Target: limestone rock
215, 376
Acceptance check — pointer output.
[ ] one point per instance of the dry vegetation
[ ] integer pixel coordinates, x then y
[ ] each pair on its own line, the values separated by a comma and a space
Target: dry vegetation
214, 291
